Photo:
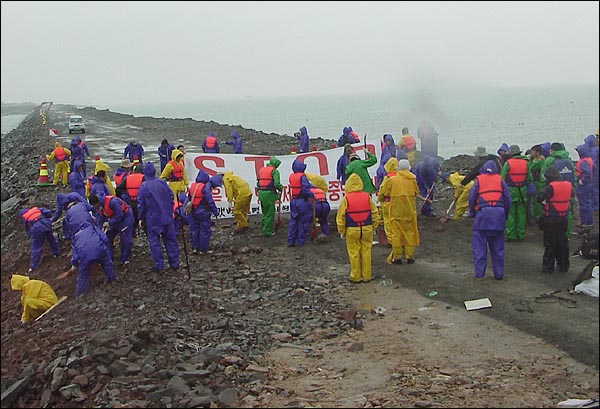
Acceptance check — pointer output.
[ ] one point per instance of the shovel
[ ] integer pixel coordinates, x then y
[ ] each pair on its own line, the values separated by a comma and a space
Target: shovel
445, 217
60, 301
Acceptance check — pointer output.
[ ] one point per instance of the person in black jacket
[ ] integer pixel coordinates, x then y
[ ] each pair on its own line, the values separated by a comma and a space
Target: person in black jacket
481, 156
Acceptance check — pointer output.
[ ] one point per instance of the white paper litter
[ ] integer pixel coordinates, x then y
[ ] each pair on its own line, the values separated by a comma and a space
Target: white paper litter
478, 304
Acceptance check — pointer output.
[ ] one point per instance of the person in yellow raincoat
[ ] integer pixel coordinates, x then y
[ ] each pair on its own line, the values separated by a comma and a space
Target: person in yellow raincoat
461, 193
36, 298
61, 163
357, 218
390, 169
103, 166
401, 191
174, 173
239, 196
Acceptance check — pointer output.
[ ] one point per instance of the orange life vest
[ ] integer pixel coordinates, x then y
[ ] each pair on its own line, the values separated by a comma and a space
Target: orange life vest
578, 170
32, 215
391, 174
60, 154
119, 178
558, 204
211, 141
106, 210
296, 184
132, 185
409, 143
517, 171
196, 193
177, 172
319, 195
358, 212
265, 178
490, 191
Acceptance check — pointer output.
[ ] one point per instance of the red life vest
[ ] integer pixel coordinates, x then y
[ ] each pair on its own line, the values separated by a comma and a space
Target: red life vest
578, 170
355, 136
358, 212
490, 191
177, 172
60, 154
196, 193
319, 195
89, 183
517, 171
558, 204
409, 143
296, 184
391, 174
106, 210
265, 178
211, 141
119, 178
132, 185
32, 215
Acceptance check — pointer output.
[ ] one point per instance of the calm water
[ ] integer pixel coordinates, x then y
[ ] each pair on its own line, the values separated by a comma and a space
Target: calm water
524, 116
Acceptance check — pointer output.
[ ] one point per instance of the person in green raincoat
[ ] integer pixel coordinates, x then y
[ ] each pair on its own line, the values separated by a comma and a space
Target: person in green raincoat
517, 175
269, 190
536, 162
359, 167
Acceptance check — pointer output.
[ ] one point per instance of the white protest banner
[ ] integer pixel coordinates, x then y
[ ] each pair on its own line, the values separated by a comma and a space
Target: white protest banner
323, 163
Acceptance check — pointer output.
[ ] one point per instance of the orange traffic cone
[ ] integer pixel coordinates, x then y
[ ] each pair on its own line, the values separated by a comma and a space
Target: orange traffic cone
43, 180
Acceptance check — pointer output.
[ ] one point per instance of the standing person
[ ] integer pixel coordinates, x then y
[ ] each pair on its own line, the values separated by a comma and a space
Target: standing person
85, 151
239, 196
342, 162
236, 142
61, 163
556, 196
77, 179
210, 144
353, 135
133, 151
164, 153
203, 206
429, 139
359, 167
129, 189
489, 203
592, 142
408, 144
322, 207
401, 190
36, 298
103, 166
536, 162
391, 168
36, 221
120, 222
97, 185
388, 150
77, 155
303, 140
269, 189
559, 158
503, 152
584, 170
461, 192
345, 138
515, 172
123, 170
357, 218
481, 157
426, 172
300, 205
155, 211
174, 173
181, 148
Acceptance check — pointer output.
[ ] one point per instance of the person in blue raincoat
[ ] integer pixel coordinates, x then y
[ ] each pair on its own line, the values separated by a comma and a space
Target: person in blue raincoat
77, 155
119, 216
91, 245
342, 162
77, 214
164, 153
155, 212
98, 184
85, 151
236, 142
426, 172
503, 152
62, 203
489, 203
303, 140
345, 138
134, 150
388, 150
300, 205
180, 219
585, 186
77, 179
592, 142
39, 227
203, 206
210, 144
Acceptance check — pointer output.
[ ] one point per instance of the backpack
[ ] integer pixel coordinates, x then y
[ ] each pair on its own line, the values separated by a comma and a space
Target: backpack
589, 247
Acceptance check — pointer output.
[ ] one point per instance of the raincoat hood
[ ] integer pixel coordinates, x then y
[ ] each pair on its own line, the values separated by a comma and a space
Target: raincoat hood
354, 184
235, 135
403, 164
488, 167
228, 175
389, 139
61, 199
101, 166
561, 154
551, 174
400, 154
346, 131
583, 151
76, 165
298, 166
57, 144
175, 154
391, 165
590, 140
502, 148
77, 139
273, 161
202, 177
303, 131
149, 171
217, 180
18, 281
73, 142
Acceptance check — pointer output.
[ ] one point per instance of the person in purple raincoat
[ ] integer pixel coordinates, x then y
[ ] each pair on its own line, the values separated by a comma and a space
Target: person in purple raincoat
90, 245
342, 162
300, 205
210, 144
119, 217
489, 203
39, 227
77, 155
62, 203
155, 212
303, 140
388, 150
98, 184
85, 152
584, 170
164, 153
134, 150
77, 179
592, 142
180, 218
203, 206
77, 214
426, 172
236, 142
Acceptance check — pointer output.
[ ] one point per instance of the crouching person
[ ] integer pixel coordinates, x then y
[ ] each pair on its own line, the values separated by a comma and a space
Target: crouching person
37, 296
356, 219
91, 245
39, 227
120, 222
203, 206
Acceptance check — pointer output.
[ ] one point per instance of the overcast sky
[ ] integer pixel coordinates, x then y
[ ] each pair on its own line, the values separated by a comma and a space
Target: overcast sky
144, 52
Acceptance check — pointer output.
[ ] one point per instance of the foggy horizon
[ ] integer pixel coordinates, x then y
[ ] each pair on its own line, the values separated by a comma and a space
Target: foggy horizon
103, 53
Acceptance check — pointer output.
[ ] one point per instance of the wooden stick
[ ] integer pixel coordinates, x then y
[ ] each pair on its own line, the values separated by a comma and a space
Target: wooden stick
60, 300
